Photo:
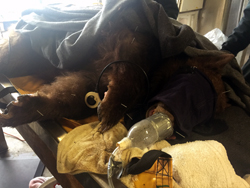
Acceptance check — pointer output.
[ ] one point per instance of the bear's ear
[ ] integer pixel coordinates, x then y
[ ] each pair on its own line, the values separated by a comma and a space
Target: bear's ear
212, 62
215, 62
221, 60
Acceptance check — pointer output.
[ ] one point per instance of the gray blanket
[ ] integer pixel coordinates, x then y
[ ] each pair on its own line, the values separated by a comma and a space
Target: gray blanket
65, 34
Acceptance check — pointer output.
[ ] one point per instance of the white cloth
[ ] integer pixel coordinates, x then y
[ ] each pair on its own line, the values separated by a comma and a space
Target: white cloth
203, 164
198, 164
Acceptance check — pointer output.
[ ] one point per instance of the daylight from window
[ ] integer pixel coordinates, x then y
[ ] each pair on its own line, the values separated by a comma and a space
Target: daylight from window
11, 9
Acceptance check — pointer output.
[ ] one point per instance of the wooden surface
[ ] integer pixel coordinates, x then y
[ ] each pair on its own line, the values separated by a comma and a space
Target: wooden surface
47, 156
43, 138
44, 145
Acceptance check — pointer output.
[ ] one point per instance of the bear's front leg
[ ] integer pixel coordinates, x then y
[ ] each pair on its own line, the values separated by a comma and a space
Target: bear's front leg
25, 109
127, 87
62, 98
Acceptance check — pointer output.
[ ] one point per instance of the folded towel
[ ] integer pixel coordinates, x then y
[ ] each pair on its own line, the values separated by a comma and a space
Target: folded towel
203, 164
199, 164
84, 149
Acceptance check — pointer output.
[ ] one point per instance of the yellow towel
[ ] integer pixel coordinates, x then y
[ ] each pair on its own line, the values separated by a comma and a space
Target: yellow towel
84, 149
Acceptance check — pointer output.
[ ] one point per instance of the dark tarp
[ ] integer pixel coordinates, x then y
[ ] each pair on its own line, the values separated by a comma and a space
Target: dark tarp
64, 34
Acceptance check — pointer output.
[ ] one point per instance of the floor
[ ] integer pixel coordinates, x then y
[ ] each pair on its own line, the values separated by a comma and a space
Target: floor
19, 164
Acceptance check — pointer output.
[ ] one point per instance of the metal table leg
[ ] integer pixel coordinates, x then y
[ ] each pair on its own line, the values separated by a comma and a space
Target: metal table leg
3, 144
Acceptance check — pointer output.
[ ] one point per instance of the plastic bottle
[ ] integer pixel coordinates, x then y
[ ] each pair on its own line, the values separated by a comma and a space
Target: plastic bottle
148, 131
143, 134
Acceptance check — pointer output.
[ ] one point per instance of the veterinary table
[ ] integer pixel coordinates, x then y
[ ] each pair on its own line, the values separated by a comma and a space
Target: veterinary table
43, 138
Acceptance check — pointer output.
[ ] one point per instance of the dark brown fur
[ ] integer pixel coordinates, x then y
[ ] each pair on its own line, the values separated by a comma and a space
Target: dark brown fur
64, 95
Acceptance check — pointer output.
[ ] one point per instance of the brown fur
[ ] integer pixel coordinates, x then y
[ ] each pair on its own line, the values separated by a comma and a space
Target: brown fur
64, 95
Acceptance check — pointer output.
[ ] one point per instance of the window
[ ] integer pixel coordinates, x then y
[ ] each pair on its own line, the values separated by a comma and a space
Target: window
10, 10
